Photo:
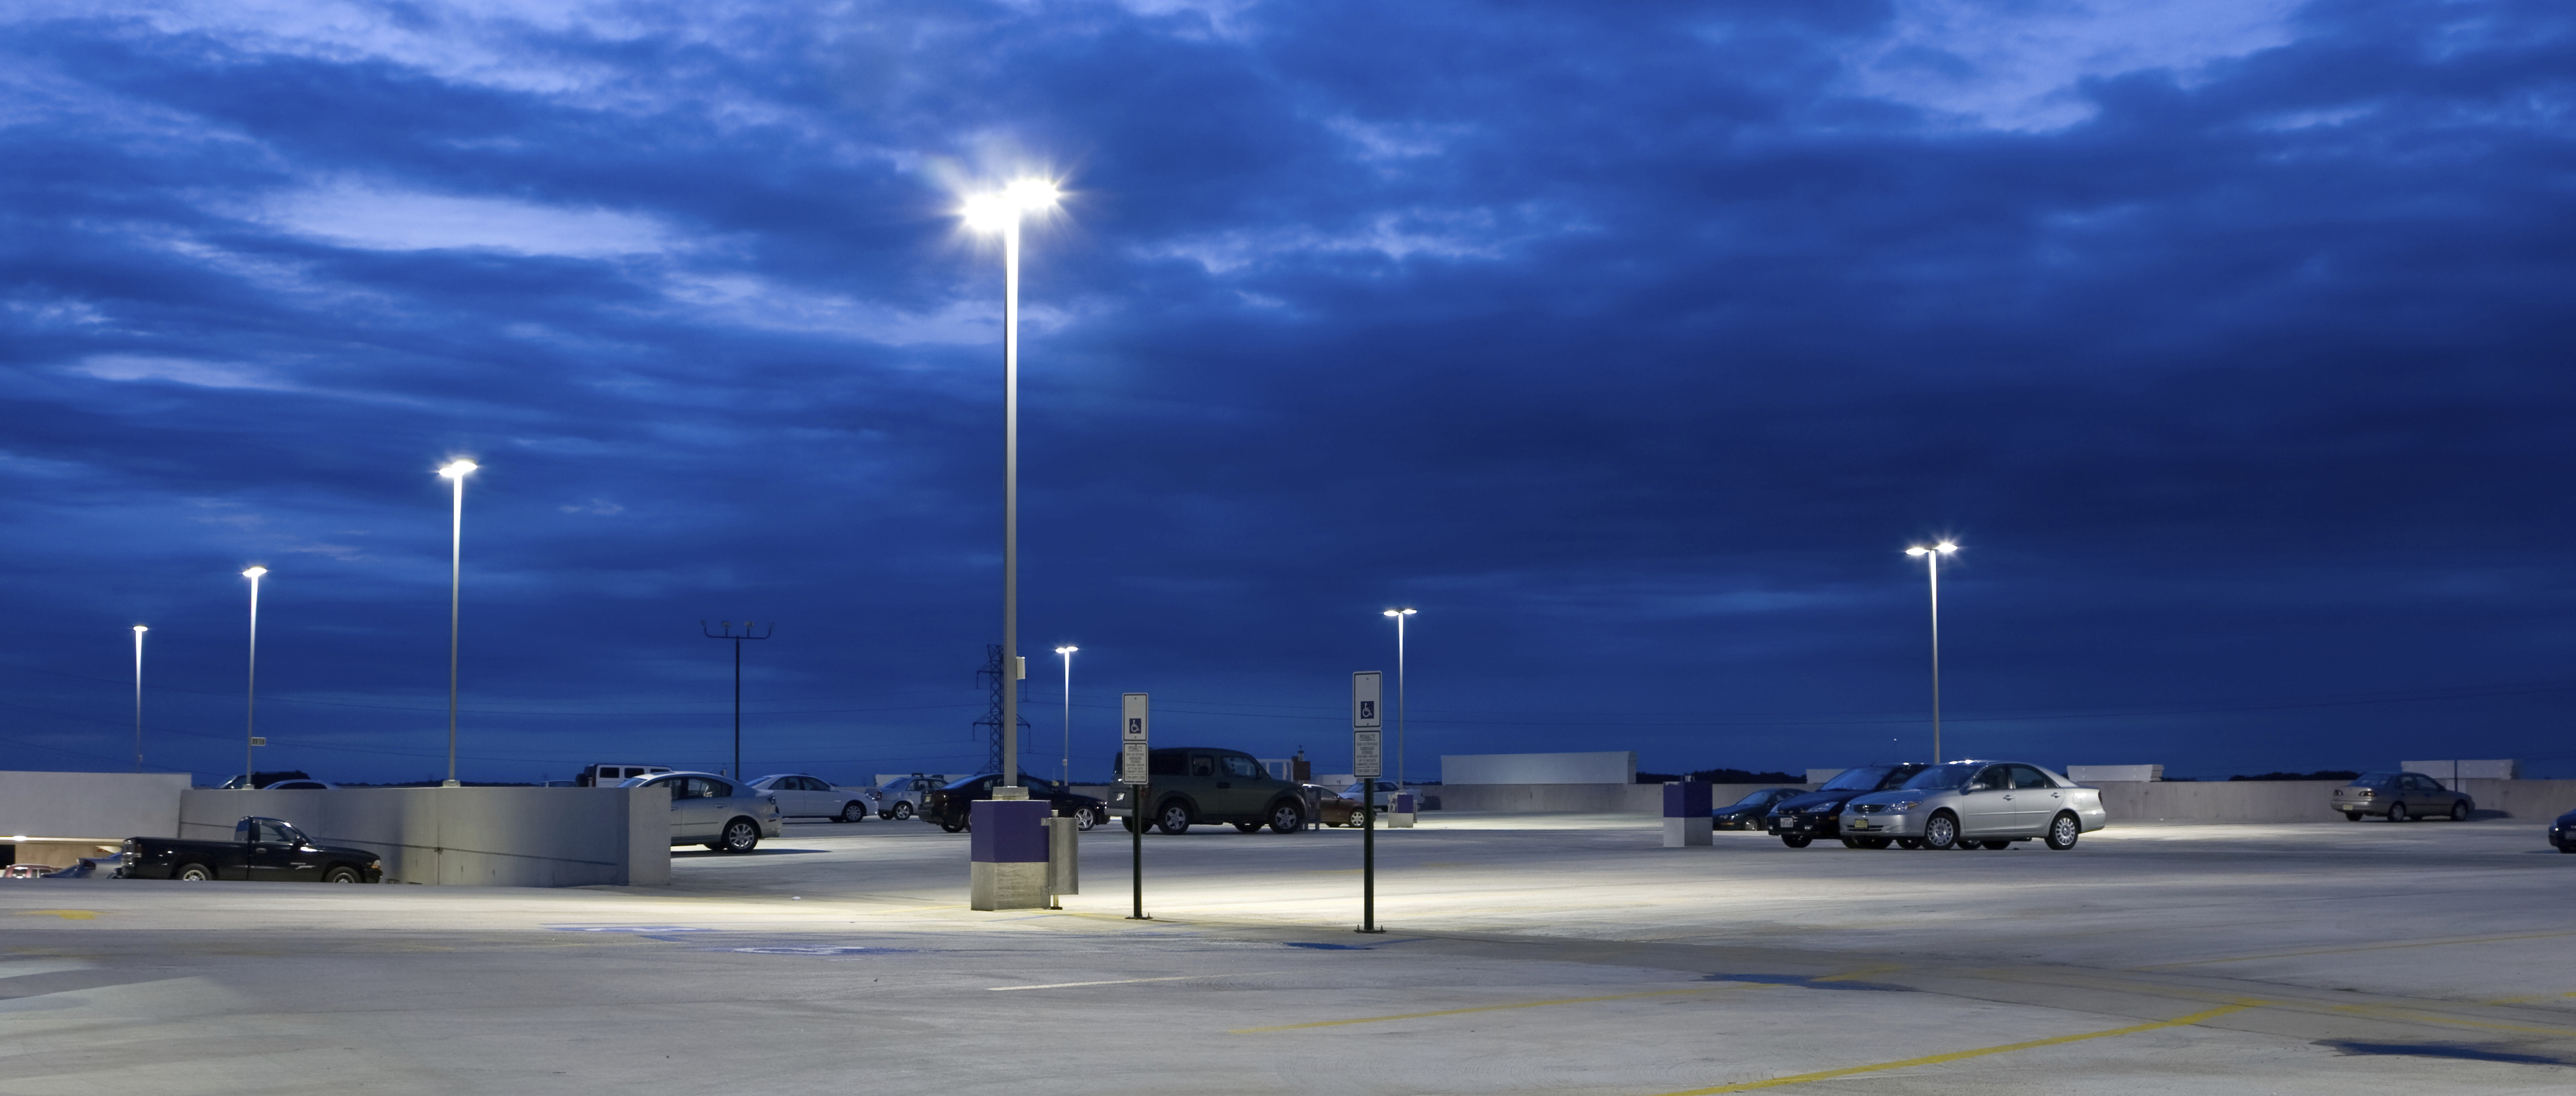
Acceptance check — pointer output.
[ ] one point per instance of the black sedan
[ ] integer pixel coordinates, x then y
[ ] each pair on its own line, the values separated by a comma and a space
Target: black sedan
1747, 813
2562, 832
950, 806
1799, 820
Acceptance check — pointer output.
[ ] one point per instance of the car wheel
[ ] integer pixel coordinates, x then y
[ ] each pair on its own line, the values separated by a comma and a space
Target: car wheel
854, 812
341, 874
2352, 816
1083, 820
902, 811
1996, 846
1287, 818
1851, 842
1941, 831
1909, 843
740, 835
1175, 819
952, 827
2063, 831
2397, 812
1796, 840
194, 873
2460, 811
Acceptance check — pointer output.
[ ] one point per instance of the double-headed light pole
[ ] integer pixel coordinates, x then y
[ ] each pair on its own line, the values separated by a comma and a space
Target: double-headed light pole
1001, 211
455, 470
138, 696
1399, 615
1932, 567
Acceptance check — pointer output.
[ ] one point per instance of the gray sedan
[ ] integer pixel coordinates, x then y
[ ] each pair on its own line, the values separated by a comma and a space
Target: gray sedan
803, 796
1966, 804
2401, 796
714, 811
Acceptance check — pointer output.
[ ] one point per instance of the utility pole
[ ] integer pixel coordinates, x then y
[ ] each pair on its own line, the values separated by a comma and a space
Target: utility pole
729, 633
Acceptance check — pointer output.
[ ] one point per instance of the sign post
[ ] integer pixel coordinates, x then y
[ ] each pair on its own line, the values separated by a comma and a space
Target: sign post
1133, 755
1367, 763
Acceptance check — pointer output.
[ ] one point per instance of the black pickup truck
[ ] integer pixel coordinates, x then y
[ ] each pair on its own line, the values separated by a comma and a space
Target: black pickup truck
262, 850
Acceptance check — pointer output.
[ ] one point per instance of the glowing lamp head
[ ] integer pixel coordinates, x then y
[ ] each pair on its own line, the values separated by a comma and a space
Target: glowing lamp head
1918, 550
254, 572
1067, 649
456, 469
1399, 612
1945, 547
998, 210
139, 629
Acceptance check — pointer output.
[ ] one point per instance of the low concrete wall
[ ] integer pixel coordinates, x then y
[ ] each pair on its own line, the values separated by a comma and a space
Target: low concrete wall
99, 806
1604, 767
1576, 798
2305, 800
493, 837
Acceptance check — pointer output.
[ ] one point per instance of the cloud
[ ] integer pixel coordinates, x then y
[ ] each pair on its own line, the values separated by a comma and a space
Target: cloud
362, 216
201, 374
2020, 66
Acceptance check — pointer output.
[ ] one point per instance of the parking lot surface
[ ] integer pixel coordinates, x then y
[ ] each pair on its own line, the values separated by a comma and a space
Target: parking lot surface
1524, 954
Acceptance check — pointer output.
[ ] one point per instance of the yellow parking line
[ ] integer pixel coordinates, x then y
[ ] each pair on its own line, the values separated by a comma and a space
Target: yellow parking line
2360, 947
1490, 1008
1936, 1059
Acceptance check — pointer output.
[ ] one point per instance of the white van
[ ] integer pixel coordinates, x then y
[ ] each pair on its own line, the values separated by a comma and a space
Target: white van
607, 776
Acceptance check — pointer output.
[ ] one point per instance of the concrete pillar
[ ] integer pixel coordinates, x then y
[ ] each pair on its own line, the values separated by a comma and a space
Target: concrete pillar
1686, 813
1399, 814
1009, 854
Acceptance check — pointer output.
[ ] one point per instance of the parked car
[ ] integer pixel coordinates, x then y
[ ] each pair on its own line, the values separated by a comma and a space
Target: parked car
1332, 808
1800, 819
89, 867
711, 810
901, 797
609, 776
1381, 793
802, 796
1978, 803
1193, 784
1749, 812
301, 786
2401, 797
263, 780
26, 871
952, 806
263, 850
2562, 832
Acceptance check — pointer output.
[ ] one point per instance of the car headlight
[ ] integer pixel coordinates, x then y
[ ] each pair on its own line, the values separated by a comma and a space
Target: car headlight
1903, 805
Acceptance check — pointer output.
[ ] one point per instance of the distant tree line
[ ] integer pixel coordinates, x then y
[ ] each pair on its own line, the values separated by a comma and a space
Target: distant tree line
1724, 776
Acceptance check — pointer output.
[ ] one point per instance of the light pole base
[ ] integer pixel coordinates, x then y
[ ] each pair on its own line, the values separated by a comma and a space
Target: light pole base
1372, 932
450, 784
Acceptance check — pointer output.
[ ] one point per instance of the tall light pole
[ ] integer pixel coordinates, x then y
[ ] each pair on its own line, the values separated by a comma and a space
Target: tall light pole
138, 696
1932, 567
455, 470
728, 633
1399, 615
1001, 212
250, 699
1067, 651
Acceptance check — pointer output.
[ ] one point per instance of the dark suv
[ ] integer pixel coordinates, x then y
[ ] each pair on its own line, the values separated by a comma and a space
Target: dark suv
1206, 784
1799, 820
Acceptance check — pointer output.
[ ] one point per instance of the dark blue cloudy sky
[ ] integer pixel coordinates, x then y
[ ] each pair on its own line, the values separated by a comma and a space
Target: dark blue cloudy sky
1631, 342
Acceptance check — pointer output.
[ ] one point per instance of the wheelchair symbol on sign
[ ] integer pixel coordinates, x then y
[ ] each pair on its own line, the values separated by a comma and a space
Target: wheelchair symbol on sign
1135, 726
1368, 710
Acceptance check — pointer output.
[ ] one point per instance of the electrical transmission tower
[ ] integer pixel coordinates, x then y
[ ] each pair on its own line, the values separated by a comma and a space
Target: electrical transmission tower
994, 677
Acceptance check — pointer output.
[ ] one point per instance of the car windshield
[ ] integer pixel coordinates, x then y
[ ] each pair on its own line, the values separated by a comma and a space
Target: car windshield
1861, 779
1945, 777
2373, 780
1756, 799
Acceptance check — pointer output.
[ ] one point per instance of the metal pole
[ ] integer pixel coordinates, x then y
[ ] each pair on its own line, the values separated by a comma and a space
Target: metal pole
138, 696
1136, 849
1068, 717
455, 584
1399, 701
1932, 560
1368, 855
1011, 501
250, 701
737, 706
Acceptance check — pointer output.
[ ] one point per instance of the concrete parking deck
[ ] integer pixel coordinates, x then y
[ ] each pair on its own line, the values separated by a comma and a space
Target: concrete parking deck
1527, 954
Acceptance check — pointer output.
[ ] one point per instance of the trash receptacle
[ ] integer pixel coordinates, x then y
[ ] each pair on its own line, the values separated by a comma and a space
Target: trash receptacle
1064, 861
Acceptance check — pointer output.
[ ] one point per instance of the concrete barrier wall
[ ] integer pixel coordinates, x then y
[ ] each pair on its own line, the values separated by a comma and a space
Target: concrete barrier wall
1605, 767
493, 837
1578, 798
103, 806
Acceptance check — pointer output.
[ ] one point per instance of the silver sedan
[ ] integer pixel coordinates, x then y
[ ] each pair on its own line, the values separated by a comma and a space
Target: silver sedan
1967, 804
803, 796
714, 811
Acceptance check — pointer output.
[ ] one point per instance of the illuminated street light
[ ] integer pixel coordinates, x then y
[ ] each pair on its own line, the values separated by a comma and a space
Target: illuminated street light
1067, 651
1932, 567
138, 696
250, 687
1002, 211
455, 470
1399, 615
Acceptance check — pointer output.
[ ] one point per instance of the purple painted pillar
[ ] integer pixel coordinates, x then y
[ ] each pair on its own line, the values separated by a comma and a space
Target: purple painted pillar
1009, 854
1686, 813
